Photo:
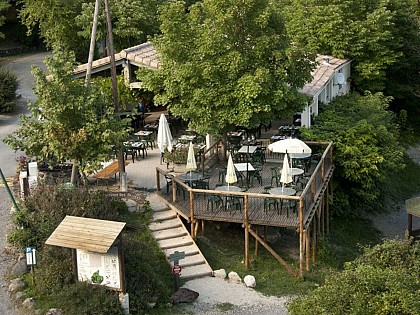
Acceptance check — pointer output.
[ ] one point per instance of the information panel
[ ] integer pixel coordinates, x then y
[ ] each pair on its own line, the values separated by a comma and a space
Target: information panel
102, 269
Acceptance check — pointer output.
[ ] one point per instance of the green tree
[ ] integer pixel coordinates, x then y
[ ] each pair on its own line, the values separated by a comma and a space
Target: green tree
75, 122
68, 24
384, 280
378, 35
4, 5
226, 63
366, 147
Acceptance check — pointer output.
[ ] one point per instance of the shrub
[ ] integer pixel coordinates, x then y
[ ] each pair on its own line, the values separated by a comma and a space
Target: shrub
384, 280
8, 87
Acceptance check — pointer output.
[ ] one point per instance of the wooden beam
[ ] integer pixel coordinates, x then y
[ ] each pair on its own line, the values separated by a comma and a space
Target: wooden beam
307, 249
272, 252
301, 245
192, 214
246, 231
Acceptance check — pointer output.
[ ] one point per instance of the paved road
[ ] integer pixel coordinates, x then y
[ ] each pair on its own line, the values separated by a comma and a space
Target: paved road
21, 66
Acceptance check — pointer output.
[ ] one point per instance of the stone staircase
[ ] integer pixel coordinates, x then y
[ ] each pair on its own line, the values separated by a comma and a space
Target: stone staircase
172, 236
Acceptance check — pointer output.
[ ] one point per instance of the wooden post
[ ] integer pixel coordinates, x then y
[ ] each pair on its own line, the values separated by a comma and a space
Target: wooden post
192, 214
313, 241
410, 224
122, 264
256, 241
202, 226
74, 263
307, 248
174, 183
327, 213
301, 240
246, 231
157, 180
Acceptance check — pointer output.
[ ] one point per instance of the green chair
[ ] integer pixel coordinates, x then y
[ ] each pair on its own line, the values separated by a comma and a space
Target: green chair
275, 176
271, 202
214, 201
233, 202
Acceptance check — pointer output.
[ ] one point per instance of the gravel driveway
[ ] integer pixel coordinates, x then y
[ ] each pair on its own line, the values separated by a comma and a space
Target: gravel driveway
21, 66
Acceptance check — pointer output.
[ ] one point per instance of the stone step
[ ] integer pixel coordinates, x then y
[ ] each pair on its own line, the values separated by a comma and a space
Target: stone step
196, 271
175, 242
157, 203
169, 233
192, 260
165, 225
189, 250
163, 215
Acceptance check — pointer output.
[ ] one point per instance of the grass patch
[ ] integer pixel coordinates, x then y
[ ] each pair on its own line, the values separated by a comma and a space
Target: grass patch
224, 307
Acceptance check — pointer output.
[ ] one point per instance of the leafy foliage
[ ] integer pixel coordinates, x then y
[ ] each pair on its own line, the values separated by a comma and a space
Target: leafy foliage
4, 5
8, 87
381, 37
148, 276
227, 63
68, 24
366, 147
68, 121
384, 280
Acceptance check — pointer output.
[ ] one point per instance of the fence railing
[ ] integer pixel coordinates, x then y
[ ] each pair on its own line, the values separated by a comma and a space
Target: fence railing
254, 208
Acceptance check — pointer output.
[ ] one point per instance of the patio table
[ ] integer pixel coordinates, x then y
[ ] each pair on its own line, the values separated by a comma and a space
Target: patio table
282, 191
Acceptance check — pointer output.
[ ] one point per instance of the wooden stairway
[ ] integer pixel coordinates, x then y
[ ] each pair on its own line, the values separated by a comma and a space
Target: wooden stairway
172, 236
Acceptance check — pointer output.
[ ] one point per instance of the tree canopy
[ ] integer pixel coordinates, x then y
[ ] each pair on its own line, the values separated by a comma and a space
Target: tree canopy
366, 146
68, 121
227, 63
380, 36
4, 5
68, 24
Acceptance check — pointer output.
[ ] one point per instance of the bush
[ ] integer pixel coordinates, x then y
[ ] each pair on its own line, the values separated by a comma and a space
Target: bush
148, 278
8, 87
384, 280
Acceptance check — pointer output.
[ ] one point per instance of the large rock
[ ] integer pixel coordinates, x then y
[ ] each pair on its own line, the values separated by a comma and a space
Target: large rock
250, 281
54, 311
220, 273
20, 267
29, 302
234, 277
184, 295
16, 285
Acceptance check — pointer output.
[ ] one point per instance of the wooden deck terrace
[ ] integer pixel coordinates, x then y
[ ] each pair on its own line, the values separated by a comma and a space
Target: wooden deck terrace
308, 213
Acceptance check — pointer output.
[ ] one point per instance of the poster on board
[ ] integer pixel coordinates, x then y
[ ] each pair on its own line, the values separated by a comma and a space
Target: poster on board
101, 269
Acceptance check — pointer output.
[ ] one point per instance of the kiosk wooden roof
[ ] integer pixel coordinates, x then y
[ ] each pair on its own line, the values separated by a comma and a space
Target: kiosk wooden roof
85, 233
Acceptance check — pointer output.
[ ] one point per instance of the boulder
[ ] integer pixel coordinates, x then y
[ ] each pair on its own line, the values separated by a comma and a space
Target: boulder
234, 277
54, 311
220, 273
29, 302
20, 267
131, 205
250, 281
184, 295
16, 285
19, 295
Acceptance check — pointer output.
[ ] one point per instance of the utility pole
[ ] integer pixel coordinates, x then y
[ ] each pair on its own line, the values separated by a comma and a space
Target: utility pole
120, 154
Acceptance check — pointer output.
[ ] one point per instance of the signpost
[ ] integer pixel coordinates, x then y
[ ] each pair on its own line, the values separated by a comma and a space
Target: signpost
176, 268
31, 259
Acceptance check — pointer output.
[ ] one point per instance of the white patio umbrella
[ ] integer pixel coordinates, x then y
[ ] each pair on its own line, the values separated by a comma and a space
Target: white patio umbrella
285, 177
164, 136
289, 146
230, 172
191, 164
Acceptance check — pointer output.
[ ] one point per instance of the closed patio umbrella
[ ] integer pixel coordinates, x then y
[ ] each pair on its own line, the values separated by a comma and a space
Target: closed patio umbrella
191, 164
230, 172
286, 177
164, 136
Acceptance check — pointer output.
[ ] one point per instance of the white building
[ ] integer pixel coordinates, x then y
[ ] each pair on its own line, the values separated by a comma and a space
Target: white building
330, 79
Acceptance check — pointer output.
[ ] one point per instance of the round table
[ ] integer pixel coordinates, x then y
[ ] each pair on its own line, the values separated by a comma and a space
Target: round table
193, 177
280, 191
300, 155
228, 188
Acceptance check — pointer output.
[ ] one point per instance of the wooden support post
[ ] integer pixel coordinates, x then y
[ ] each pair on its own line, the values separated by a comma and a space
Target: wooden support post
256, 241
193, 230
301, 239
307, 249
246, 231
327, 213
202, 226
410, 224
313, 241
318, 218
265, 232
157, 180
174, 183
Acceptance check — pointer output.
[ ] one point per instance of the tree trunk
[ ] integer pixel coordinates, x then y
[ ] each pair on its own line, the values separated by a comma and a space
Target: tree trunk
74, 171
